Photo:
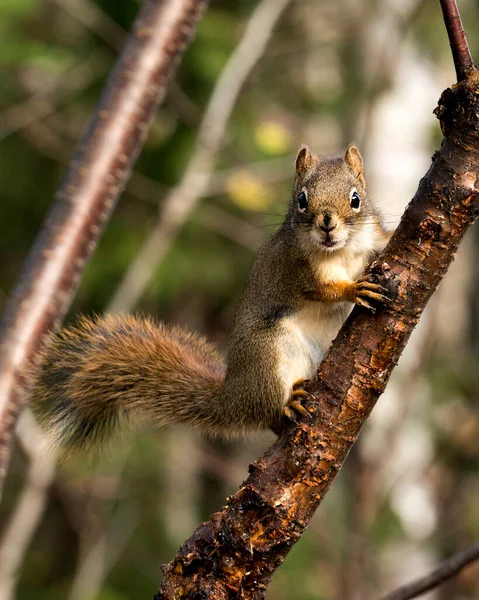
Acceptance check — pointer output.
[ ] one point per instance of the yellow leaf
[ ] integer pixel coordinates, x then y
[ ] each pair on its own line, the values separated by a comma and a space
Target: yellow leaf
273, 137
248, 191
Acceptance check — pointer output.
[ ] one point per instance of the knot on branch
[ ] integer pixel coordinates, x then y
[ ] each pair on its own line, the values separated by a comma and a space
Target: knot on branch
458, 108
237, 551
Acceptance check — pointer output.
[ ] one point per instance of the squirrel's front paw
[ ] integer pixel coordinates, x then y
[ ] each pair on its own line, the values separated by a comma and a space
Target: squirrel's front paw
365, 291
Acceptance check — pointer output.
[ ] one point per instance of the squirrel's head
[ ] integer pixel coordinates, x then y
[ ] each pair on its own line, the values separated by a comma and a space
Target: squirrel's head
329, 205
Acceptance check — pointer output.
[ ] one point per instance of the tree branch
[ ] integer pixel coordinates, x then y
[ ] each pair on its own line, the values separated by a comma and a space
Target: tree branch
30, 506
457, 38
235, 554
96, 177
447, 569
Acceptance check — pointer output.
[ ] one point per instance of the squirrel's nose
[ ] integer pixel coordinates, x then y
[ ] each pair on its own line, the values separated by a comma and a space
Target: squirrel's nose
327, 225
328, 229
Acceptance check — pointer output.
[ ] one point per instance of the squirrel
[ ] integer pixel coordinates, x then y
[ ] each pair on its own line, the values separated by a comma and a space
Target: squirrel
301, 288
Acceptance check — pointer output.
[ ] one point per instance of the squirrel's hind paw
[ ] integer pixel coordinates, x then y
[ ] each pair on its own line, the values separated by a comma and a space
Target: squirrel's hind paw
294, 405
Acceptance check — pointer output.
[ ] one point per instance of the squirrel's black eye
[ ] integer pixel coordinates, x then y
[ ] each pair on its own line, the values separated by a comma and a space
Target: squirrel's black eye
302, 202
355, 200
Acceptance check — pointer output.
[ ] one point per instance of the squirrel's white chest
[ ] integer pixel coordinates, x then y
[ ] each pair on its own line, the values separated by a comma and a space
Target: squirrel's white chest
306, 337
308, 333
341, 270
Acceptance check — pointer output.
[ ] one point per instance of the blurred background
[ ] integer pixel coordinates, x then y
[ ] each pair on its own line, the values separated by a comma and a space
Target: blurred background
260, 78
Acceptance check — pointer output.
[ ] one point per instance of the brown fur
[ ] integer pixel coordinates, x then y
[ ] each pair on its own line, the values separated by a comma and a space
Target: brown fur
98, 372
298, 295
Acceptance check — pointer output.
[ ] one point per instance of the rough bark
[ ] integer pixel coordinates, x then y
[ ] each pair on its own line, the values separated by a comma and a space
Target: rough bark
97, 175
235, 554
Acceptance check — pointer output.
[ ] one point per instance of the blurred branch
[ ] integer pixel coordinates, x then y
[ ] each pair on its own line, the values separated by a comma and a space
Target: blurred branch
29, 508
457, 38
446, 570
46, 100
178, 205
50, 143
102, 555
46, 141
86, 198
148, 190
95, 19
231, 227
181, 483
270, 170
244, 543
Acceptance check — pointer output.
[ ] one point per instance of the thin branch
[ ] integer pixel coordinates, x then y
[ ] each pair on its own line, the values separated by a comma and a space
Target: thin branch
97, 562
233, 228
86, 198
235, 554
271, 170
53, 94
457, 38
30, 506
447, 569
178, 205
95, 19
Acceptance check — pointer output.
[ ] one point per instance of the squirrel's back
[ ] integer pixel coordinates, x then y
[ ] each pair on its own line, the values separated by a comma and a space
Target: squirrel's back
97, 373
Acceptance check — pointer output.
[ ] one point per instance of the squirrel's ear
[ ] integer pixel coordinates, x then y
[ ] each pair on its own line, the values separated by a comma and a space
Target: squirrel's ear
354, 160
304, 161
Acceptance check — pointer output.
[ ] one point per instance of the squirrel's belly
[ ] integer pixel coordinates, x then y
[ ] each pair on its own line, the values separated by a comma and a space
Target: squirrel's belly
306, 337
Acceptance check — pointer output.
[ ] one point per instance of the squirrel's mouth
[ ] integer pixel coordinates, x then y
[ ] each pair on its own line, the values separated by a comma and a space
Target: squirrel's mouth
328, 243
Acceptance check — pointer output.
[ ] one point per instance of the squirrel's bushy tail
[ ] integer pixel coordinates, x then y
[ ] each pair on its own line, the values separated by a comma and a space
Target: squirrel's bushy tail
96, 373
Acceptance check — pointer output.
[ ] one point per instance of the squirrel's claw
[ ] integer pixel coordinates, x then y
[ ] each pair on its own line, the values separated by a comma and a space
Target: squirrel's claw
288, 413
298, 407
293, 409
361, 302
366, 290
365, 284
294, 404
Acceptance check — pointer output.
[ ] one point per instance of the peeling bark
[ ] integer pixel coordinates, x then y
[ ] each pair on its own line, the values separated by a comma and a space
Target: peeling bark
235, 554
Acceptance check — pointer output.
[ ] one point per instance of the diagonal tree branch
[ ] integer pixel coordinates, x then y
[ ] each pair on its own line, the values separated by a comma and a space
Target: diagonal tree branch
84, 203
235, 554
448, 568
457, 38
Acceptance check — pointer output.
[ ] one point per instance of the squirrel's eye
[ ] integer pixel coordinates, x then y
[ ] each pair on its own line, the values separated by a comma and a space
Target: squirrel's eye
302, 202
355, 200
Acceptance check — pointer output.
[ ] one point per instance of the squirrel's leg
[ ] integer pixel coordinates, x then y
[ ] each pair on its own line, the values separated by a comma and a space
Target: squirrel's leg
359, 292
298, 394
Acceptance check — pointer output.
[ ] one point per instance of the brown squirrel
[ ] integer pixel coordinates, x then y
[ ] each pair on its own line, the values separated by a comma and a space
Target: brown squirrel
300, 290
